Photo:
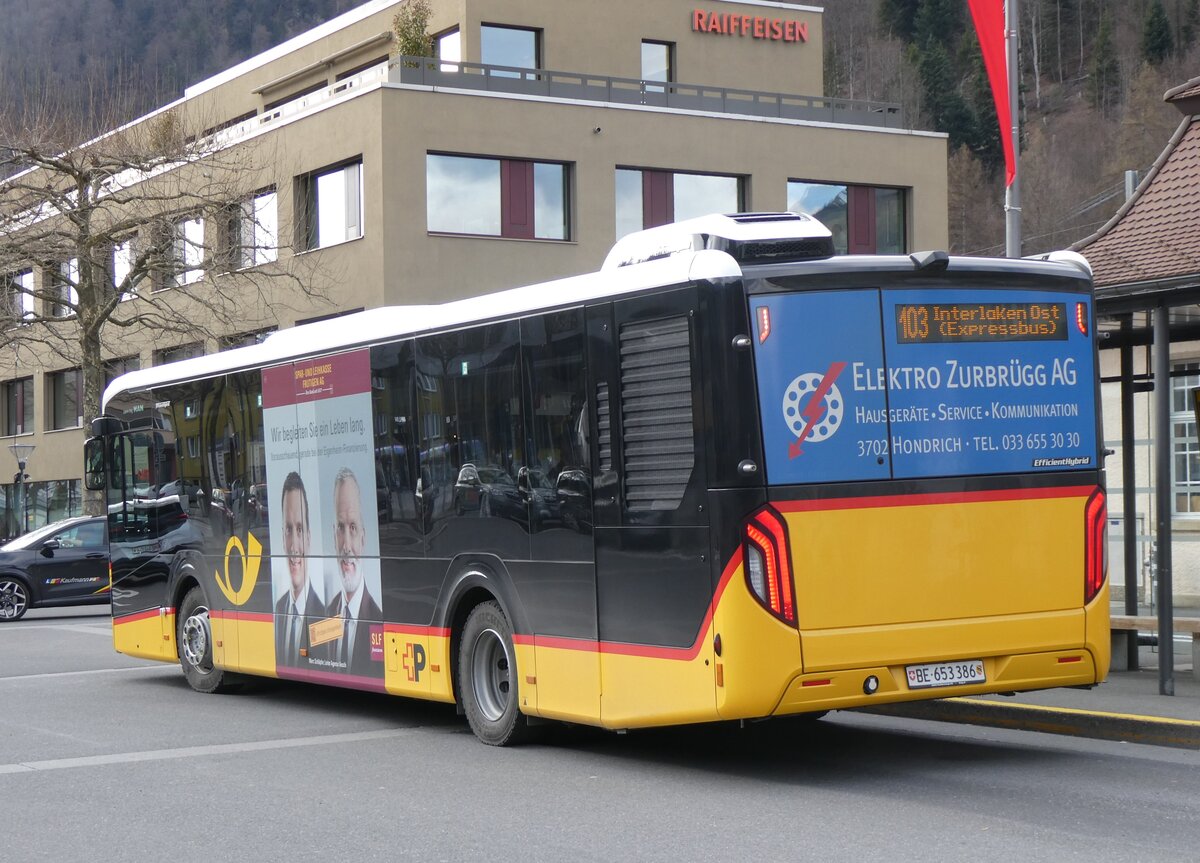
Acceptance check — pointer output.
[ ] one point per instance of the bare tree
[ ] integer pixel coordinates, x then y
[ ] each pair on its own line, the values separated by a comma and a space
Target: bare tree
155, 227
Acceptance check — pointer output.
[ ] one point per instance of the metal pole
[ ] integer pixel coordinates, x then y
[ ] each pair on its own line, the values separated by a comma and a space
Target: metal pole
1129, 488
1162, 499
1012, 195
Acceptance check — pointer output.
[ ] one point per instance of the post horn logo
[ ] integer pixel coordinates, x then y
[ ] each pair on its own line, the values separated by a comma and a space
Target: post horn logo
251, 555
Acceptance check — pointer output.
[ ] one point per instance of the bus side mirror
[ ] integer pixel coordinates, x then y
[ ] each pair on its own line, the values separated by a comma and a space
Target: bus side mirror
93, 464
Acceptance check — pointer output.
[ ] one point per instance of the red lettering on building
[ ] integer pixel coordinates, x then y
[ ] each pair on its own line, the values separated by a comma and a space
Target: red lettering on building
775, 29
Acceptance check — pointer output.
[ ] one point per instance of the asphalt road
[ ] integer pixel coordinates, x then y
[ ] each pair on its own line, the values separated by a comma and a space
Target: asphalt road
107, 758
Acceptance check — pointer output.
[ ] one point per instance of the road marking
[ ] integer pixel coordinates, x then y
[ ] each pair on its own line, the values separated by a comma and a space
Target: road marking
200, 751
1035, 708
47, 674
106, 628
90, 629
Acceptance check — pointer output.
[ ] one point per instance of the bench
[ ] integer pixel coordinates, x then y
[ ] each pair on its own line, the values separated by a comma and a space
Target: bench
1125, 627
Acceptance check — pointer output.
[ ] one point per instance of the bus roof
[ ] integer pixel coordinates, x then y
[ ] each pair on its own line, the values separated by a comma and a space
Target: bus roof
388, 323
656, 257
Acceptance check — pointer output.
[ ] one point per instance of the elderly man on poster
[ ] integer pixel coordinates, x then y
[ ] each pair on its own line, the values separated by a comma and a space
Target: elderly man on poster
299, 600
354, 604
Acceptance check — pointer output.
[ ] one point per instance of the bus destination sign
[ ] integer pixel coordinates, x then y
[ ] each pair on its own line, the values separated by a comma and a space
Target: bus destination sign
941, 323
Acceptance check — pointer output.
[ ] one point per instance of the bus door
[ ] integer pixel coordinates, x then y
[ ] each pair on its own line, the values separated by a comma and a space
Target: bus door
653, 578
144, 625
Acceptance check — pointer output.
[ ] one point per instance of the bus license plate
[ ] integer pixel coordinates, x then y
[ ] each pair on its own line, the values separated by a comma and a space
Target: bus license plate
945, 674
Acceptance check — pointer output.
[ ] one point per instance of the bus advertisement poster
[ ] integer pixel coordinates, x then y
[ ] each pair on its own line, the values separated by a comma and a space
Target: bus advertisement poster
870, 384
325, 575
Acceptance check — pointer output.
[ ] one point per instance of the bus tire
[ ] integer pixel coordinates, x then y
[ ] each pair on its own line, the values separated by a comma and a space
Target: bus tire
193, 636
487, 674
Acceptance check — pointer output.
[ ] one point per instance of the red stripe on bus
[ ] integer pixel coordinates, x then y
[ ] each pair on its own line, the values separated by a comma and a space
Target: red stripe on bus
932, 498
141, 615
413, 629
251, 616
617, 648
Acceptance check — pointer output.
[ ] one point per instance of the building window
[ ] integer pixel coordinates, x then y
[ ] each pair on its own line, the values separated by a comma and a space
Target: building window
176, 354
113, 369
64, 389
331, 206
517, 47
1184, 448
646, 199
193, 446
183, 253
18, 407
18, 293
252, 232
497, 197
864, 220
658, 62
65, 292
122, 266
447, 47
244, 340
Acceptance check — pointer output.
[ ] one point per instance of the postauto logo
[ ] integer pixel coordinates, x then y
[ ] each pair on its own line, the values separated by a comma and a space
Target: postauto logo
813, 406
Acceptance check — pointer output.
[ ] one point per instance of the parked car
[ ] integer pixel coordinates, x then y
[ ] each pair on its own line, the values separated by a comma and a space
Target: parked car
488, 490
65, 563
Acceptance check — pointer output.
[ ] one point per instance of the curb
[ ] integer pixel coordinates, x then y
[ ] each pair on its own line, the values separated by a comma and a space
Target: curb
1124, 727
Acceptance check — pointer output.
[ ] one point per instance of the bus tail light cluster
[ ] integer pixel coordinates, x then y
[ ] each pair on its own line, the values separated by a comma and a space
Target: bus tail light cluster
769, 563
1095, 545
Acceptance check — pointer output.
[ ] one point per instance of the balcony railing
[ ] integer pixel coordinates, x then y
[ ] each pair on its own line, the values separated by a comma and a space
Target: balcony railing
581, 86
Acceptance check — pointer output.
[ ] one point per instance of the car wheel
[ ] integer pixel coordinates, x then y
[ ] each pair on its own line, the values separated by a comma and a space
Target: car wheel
487, 675
193, 634
14, 598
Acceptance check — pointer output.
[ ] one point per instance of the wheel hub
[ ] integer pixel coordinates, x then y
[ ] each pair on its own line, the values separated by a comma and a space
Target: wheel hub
491, 674
197, 636
12, 600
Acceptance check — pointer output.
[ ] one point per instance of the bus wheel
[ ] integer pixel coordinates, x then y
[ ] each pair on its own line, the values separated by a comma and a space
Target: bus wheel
193, 635
487, 674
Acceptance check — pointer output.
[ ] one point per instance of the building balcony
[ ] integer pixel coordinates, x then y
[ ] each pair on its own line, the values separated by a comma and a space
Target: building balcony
580, 86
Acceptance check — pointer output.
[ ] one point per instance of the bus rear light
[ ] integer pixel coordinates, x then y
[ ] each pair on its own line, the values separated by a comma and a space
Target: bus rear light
1095, 548
1081, 317
768, 564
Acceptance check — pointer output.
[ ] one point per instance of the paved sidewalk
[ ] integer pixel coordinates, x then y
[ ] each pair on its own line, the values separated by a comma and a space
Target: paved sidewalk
1125, 707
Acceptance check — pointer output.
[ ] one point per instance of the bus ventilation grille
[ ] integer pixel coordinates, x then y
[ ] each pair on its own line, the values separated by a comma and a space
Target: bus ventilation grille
776, 251
656, 412
604, 427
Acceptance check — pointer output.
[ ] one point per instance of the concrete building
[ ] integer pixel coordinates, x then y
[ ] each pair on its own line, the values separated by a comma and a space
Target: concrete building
540, 133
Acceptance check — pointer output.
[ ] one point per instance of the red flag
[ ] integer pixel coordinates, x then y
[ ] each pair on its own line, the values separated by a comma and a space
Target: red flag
989, 26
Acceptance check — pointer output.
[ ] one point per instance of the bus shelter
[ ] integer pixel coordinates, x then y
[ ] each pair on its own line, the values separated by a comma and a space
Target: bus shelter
1146, 266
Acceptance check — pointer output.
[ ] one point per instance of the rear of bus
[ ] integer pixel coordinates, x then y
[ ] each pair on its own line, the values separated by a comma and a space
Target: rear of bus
935, 511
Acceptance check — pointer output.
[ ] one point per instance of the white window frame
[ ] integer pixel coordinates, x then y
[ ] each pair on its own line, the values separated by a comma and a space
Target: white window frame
337, 205
187, 250
1184, 444
69, 271
122, 265
258, 230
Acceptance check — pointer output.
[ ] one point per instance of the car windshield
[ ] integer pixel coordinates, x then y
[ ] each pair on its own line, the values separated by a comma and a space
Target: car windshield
35, 536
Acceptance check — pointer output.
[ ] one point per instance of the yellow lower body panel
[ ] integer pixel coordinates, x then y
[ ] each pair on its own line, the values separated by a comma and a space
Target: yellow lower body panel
843, 689
417, 663
644, 690
148, 635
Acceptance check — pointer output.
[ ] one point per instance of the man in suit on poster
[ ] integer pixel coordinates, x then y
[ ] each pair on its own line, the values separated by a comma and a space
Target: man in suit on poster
354, 604
300, 601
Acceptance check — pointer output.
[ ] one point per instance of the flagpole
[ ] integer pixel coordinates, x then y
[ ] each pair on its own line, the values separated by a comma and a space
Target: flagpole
1012, 195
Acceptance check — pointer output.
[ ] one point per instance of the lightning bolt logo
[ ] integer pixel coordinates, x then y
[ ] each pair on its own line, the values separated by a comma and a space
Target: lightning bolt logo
816, 407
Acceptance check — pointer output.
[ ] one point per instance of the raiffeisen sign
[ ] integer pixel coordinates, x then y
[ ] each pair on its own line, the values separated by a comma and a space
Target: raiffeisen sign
754, 26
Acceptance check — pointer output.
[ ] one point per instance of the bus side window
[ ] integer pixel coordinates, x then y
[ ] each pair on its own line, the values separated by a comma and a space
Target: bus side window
558, 480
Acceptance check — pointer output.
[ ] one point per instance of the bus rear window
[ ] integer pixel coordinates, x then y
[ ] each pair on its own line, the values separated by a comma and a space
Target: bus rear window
900, 384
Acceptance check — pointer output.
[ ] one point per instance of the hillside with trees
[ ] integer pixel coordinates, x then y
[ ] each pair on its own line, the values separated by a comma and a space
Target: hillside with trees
1092, 77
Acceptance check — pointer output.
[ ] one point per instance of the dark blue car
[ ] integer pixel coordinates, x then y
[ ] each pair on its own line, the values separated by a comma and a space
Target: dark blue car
65, 563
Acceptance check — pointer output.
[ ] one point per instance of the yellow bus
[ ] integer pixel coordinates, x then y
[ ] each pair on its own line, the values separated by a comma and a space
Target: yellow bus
727, 476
